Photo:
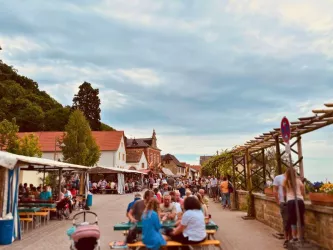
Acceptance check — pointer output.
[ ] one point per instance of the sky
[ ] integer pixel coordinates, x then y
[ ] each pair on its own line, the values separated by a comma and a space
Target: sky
206, 75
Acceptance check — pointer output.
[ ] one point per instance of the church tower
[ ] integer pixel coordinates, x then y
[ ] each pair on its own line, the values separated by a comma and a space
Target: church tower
154, 140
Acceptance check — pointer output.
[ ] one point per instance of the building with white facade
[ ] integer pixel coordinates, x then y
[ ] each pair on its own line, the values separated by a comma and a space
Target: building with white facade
136, 159
111, 143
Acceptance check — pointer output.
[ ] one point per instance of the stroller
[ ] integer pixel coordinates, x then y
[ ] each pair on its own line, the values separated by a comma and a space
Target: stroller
64, 208
85, 235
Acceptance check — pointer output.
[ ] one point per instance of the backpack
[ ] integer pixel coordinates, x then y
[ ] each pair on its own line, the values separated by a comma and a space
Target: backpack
230, 187
132, 235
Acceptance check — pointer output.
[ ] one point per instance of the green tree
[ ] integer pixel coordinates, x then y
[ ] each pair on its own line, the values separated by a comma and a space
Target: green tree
56, 119
8, 137
88, 102
31, 118
218, 165
105, 127
28, 145
79, 145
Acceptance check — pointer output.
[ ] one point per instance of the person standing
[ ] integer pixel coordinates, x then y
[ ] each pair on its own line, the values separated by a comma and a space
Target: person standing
213, 186
280, 199
224, 187
139, 206
290, 184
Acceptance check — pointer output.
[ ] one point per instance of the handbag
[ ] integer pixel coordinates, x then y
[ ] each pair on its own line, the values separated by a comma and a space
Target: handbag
230, 187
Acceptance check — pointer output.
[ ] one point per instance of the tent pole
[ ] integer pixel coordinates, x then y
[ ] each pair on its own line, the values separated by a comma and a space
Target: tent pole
44, 176
59, 183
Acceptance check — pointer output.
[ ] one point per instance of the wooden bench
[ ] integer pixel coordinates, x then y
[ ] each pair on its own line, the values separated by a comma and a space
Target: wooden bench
44, 215
26, 221
210, 234
30, 215
171, 243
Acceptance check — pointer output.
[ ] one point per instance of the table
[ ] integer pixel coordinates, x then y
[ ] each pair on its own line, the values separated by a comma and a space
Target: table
124, 226
48, 205
28, 209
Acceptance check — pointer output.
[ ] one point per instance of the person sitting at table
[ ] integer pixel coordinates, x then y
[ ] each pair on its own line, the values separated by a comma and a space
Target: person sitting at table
168, 209
137, 197
178, 206
113, 185
192, 229
139, 206
204, 198
34, 192
178, 198
158, 195
45, 195
204, 208
151, 226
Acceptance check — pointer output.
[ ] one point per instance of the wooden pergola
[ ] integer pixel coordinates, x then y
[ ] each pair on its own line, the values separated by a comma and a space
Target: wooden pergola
253, 151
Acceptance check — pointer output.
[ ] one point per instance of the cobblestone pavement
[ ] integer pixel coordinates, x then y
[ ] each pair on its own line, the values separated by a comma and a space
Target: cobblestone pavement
234, 232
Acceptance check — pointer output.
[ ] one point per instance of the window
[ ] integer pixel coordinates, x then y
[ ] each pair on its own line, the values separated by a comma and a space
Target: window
119, 156
142, 165
122, 144
123, 157
167, 162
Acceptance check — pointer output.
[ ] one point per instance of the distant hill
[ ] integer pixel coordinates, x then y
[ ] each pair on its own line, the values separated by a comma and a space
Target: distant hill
33, 109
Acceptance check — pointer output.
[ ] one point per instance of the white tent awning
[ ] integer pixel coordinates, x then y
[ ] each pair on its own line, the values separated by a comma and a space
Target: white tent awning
167, 171
9, 160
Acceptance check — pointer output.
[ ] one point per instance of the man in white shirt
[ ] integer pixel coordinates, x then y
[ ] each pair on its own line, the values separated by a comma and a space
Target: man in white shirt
281, 200
213, 186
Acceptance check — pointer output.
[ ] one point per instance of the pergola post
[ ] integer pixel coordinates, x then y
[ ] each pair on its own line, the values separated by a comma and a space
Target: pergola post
44, 177
263, 166
59, 183
300, 156
278, 155
250, 207
235, 199
81, 184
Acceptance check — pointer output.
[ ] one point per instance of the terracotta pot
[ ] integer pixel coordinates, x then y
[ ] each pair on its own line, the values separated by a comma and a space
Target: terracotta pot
321, 199
269, 191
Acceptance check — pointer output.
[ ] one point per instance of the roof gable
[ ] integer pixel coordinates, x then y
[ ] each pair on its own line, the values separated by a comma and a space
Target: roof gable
173, 158
134, 155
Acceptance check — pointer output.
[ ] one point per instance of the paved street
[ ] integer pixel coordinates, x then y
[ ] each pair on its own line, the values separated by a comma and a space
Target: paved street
234, 232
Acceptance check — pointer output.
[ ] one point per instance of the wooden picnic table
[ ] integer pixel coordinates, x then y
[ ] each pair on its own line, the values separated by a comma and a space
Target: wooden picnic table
127, 225
28, 209
48, 205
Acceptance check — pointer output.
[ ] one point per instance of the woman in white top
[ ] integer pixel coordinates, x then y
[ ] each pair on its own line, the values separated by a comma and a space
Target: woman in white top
192, 228
290, 182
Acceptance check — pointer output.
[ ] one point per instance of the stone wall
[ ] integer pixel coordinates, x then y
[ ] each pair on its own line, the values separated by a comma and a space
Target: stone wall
318, 219
242, 200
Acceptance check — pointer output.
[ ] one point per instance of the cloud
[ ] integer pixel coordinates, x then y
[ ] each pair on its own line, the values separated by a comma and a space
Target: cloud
144, 77
206, 76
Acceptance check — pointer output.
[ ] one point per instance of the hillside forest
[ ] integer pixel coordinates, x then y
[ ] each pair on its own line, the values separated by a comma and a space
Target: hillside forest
35, 110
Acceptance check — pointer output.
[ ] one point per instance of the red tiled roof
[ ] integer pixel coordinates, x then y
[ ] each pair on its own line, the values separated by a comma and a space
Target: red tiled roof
133, 154
106, 140
196, 167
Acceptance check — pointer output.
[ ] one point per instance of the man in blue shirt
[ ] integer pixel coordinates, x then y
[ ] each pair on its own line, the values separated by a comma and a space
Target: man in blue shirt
137, 197
45, 195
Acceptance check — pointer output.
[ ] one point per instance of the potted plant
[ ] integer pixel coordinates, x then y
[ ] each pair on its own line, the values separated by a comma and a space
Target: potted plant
269, 189
323, 196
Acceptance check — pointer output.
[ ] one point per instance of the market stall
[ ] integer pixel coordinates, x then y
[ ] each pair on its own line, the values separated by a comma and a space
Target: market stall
11, 165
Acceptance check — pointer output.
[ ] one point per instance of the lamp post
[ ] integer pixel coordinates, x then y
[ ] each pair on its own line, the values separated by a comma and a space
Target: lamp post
57, 143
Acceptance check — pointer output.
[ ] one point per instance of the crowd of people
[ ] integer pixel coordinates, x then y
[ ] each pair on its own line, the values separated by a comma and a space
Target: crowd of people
184, 202
131, 185
44, 193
